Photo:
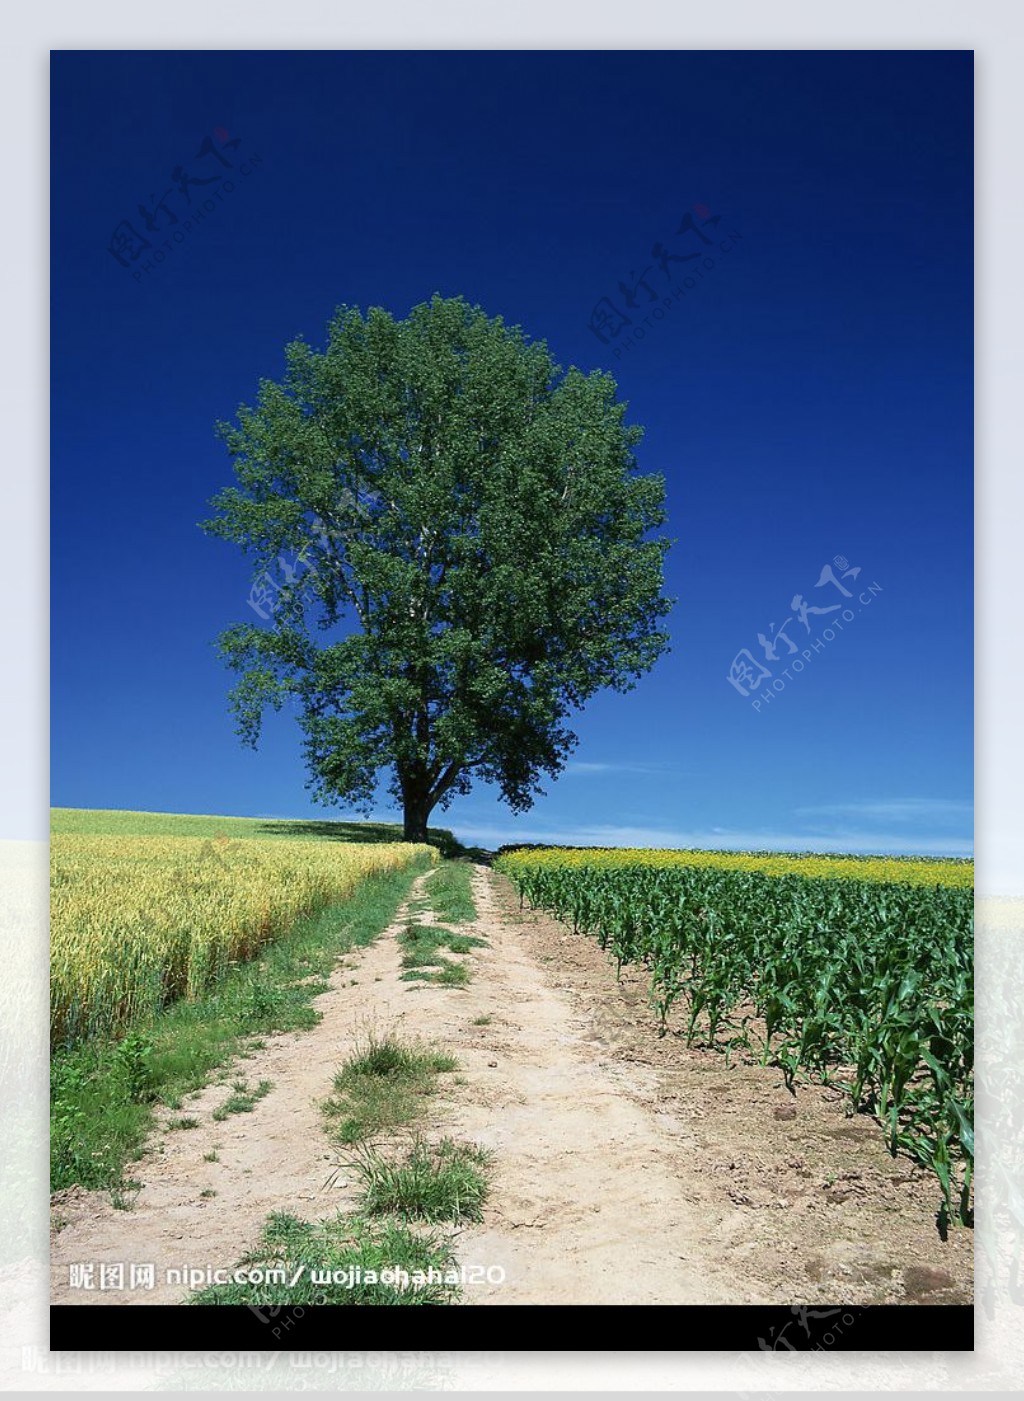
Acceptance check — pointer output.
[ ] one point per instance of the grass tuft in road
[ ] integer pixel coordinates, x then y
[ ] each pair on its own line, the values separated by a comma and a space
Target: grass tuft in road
340, 1261
243, 1101
442, 1183
429, 936
422, 958
383, 1086
451, 975
444, 973
448, 892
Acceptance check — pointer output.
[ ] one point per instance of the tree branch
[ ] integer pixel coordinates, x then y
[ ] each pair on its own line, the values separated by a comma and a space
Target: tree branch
446, 780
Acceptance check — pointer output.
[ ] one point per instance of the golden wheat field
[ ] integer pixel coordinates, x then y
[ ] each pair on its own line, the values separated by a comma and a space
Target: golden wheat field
138, 921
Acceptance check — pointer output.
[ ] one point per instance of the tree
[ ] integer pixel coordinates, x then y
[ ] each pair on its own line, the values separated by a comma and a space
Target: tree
463, 551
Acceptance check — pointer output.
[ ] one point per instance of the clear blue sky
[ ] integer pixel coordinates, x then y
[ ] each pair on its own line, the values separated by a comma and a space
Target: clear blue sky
810, 398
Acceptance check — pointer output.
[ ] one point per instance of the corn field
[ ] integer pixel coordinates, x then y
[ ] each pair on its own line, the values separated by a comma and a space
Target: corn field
859, 972
140, 921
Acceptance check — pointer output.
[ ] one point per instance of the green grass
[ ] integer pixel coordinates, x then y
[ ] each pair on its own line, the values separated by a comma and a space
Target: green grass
448, 892
126, 1193
422, 958
442, 971
124, 823
102, 1095
482, 1021
185, 1123
351, 1246
422, 955
383, 1086
451, 975
243, 1100
442, 1183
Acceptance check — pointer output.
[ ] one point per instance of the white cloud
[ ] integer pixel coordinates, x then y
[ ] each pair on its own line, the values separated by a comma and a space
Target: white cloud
716, 839
923, 811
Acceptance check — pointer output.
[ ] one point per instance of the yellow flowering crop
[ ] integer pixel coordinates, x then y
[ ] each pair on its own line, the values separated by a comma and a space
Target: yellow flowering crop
883, 869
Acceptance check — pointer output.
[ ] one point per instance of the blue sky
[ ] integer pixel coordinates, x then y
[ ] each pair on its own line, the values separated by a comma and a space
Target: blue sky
809, 399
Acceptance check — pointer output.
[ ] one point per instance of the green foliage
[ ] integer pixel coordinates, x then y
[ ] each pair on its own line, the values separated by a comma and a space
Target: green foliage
77, 1155
132, 1060
474, 554
867, 985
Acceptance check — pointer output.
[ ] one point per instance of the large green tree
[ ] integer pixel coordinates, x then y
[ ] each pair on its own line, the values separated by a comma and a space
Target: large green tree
454, 548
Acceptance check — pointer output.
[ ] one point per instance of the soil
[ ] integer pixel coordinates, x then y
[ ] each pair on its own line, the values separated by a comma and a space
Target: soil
628, 1167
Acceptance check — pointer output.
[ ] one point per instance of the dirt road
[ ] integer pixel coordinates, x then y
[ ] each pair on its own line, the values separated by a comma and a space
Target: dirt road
627, 1168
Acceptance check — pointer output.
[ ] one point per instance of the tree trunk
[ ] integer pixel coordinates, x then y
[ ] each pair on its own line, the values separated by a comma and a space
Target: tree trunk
416, 812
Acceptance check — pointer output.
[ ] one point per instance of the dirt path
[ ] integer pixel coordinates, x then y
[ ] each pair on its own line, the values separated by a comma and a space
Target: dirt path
627, 1169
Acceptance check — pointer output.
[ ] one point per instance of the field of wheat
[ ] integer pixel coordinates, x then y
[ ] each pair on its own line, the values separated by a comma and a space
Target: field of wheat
139, 921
